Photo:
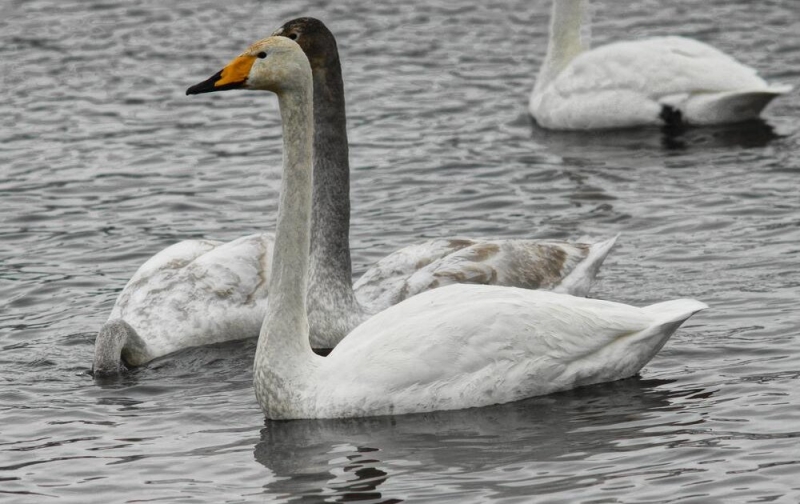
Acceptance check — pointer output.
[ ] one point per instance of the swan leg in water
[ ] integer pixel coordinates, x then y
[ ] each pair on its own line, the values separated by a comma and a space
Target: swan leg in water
655, 81
453, 347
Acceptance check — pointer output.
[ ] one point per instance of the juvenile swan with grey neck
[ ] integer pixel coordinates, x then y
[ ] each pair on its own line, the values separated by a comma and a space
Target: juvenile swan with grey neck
453, 347
336, 306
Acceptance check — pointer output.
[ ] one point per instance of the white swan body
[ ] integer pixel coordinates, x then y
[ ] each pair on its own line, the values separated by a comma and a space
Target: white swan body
656, 81
464, 346
454, 347
195, 292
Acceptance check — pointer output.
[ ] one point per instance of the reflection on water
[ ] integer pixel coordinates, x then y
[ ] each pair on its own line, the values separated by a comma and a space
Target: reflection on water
376, 458
746, 135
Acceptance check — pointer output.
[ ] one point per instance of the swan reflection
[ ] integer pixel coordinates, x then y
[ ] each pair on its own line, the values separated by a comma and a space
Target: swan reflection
611, 143
381, 459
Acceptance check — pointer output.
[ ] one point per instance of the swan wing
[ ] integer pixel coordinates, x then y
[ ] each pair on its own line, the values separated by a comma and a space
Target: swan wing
198, 292
630, 82
471, 345
382, 284
529, 264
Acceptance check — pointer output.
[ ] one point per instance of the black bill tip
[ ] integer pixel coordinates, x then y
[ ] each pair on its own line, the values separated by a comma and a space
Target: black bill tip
210, 85
207, 86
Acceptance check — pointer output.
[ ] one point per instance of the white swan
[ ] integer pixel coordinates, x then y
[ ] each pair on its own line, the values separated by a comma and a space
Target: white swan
454, 347
200, 292
656, 81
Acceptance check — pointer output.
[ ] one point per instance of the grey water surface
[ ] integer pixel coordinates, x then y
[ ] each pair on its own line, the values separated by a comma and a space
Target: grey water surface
104, 162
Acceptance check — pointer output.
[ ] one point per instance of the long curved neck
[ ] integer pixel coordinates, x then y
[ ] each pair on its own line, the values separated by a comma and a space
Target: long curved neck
331, 269
569, 36
283, 352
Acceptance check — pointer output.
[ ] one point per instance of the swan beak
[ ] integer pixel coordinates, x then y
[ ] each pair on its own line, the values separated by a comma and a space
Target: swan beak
233, 76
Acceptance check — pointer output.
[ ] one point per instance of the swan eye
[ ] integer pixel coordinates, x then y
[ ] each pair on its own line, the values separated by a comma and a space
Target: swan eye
262, 55
293, 36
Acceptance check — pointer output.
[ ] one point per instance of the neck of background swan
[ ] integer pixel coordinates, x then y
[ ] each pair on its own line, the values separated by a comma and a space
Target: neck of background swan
330, 284
569, 36
283, 345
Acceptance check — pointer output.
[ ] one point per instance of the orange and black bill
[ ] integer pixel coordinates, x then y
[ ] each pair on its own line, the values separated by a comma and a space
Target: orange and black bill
233, 76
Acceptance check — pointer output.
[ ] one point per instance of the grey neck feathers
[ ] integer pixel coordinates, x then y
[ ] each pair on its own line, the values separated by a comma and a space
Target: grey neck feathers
330, 286
108, 347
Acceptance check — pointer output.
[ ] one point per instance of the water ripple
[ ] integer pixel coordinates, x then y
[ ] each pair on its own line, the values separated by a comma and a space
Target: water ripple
105, 161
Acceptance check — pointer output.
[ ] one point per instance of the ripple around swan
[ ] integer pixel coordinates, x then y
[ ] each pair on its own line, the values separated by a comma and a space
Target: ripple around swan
104, 161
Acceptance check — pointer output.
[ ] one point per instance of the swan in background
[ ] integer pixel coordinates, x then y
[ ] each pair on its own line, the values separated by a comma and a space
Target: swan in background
195, 292
336, 306
200, 292
656, 81
453, 347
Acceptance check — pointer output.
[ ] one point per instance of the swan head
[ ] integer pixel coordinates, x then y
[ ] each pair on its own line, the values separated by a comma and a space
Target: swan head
273, 64
314, 38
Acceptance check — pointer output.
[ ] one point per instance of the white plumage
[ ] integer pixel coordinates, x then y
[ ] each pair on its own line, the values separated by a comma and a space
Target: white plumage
656, 81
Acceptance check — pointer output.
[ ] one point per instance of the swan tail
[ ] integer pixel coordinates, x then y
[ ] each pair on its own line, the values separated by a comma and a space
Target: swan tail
677, 310
636, 352
780, 89
111, 339
731, 106
624, 353
581, 279
669, 315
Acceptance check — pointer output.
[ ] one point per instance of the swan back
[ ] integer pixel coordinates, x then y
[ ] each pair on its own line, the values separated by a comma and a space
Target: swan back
193, 293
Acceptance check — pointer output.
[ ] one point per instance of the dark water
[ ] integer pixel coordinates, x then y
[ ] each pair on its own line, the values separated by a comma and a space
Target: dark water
104, 161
